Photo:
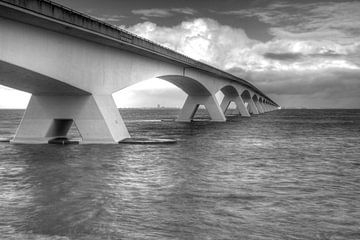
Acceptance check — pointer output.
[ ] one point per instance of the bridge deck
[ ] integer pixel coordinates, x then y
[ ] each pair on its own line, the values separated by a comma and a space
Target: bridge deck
56, 17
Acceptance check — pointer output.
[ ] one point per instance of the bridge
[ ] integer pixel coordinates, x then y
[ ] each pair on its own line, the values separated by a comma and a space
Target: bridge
72, 63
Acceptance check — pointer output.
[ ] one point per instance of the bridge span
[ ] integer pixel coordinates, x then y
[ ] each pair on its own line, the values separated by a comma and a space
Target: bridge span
72, 64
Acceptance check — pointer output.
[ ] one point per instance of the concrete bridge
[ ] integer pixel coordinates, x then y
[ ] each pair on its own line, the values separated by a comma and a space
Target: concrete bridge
72, 64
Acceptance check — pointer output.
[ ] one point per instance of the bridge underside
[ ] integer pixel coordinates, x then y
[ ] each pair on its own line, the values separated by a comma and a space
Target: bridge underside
30, 81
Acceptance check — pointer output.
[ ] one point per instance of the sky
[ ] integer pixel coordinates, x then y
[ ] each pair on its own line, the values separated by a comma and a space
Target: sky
300, 53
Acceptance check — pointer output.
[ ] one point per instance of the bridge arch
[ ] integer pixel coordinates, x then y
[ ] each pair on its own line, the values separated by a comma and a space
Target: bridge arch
257, 102
246, 96
260, 100
261, 104
249, 103
189, 85
231, 95
199, 93
229, 90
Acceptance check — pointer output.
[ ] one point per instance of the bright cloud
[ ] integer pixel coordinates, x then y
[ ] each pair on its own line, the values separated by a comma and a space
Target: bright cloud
202, 39
227, 47
313, 66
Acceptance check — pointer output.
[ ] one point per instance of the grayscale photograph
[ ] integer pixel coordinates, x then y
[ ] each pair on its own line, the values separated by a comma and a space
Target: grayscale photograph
180, 119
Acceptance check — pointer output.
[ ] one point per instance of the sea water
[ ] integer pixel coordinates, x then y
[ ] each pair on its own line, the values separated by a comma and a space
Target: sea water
288, 174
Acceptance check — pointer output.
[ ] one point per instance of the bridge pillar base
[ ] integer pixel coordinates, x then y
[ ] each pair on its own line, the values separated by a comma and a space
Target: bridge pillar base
240, 106
192, 103
95, 116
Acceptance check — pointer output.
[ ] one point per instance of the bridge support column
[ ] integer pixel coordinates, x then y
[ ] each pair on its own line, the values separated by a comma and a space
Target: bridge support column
96, 117
240, 106
192, 103
252, 107
264, 106
268, 107
260, 109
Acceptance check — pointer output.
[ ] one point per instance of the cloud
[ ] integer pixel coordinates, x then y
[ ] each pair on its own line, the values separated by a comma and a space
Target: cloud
153, 12
202, 39
186, 11
110, 18
334, 87
337, 21
226, 47
315, 69
283, 56
163, 12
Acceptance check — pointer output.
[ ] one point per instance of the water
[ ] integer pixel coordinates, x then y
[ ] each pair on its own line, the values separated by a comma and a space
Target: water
289, 174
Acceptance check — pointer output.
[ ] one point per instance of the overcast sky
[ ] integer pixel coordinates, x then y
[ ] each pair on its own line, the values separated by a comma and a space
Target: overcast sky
301, 53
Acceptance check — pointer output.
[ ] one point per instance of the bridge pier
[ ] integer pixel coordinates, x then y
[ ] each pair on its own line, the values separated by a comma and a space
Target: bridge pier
259, 107
240, 106
252, 107
264, 107
192, 103
268, 106
47, 117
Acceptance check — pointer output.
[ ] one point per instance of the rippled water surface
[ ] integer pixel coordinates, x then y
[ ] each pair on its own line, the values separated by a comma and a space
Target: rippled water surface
289, 174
